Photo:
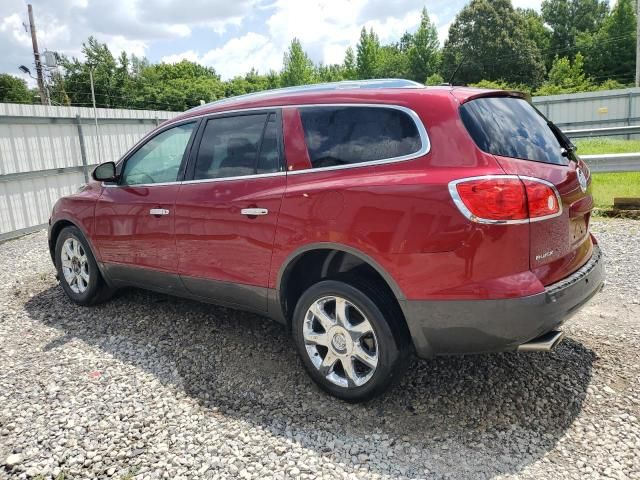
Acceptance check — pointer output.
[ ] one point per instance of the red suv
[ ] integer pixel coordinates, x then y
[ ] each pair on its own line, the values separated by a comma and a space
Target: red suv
375, 219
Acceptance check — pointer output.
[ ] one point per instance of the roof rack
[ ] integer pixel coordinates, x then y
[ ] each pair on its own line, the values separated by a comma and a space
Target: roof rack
319, 87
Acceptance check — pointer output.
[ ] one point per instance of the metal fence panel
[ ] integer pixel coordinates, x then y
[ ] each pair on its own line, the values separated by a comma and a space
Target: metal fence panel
41, 155
609, 108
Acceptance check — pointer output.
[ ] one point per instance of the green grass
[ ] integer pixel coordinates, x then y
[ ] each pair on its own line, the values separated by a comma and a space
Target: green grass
606, 186
600, 145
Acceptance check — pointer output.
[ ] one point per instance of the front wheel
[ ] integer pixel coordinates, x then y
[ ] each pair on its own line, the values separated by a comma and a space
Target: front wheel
345, 341
77, 269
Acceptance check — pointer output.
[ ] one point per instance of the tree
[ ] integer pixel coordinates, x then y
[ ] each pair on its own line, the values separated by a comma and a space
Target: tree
14, 89
423, 50
349, 65
368, 59
393, 62
568, 18
566, 76
176, 86
611, 51
298, 67
489, 40
329, 73
537, 31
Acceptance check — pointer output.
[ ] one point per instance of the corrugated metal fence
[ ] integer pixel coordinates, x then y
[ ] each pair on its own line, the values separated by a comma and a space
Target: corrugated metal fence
609, 108
43, 150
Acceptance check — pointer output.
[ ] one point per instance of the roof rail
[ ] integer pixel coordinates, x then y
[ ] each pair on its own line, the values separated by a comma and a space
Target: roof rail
319, 87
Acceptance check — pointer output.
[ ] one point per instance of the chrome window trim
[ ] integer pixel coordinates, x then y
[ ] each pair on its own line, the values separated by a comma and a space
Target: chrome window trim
237, 177
425, 142
204, 180
453, 191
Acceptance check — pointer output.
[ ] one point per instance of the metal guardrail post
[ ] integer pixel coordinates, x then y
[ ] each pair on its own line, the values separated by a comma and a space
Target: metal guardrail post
83, 150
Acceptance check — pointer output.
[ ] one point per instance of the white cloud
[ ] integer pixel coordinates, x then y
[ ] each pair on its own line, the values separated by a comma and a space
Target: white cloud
237, 56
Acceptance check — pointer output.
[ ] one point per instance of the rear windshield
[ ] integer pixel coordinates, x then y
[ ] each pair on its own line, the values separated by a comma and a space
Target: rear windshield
511, 127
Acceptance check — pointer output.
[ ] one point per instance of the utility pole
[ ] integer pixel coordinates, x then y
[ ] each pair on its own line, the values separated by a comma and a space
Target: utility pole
36, 55
637, 43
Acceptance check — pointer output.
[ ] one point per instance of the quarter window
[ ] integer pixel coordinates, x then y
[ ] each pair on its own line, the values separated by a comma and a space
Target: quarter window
238, 146
347, 135
158, 160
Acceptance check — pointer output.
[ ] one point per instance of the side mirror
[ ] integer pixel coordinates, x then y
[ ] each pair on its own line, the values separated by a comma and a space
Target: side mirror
105, 172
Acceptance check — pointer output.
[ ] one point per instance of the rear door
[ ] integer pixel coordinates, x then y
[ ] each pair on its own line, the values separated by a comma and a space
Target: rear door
524, 143
226, 212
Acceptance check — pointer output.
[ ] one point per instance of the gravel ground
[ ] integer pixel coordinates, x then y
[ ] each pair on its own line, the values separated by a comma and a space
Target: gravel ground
149, 386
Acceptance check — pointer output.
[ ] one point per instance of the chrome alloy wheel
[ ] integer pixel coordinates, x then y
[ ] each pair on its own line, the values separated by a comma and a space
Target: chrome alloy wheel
340, 342
75, 265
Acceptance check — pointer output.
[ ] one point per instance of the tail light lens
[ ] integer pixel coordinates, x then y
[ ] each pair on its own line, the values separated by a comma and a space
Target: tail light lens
505, 199
541, 199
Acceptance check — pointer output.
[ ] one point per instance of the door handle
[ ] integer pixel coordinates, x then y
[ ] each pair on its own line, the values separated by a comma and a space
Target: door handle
254, 212
158, 211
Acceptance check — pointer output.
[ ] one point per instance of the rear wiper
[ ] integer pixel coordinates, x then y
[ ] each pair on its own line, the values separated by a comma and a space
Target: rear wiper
567, 146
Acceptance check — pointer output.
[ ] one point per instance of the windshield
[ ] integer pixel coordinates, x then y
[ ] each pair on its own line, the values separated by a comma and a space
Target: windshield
512, 127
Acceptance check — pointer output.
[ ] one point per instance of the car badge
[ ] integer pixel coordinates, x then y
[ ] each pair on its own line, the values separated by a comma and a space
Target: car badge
582, 180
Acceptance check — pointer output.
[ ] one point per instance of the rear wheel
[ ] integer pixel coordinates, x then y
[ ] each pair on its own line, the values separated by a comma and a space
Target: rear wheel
345, 341
77, 269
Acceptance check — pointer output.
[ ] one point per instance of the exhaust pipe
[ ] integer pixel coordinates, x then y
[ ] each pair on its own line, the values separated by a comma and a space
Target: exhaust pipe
543, 343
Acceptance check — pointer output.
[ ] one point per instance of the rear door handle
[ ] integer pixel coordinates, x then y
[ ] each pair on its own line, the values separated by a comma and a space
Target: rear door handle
254, 212
158, 211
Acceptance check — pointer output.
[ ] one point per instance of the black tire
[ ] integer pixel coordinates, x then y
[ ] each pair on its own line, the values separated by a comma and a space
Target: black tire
393, 345
96, 290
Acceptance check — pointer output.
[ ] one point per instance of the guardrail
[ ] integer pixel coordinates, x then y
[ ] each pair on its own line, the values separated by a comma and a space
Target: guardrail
603, 132
618, 162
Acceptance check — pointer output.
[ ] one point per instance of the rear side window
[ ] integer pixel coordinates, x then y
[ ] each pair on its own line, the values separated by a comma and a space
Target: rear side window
340, 135
238, 146
511, 127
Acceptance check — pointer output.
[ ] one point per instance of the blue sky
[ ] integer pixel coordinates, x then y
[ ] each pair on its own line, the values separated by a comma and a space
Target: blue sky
230, 35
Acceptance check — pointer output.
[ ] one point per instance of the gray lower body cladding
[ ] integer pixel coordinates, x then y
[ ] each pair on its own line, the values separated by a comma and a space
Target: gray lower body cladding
443, 327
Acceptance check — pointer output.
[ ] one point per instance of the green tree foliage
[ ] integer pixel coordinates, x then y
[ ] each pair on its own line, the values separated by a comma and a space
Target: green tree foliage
566, 76
489, 39
14, 89
611, 51
393, 62
502, 85
501, 48
298, 67
176, 86
423, 49
568, 19
329, 73
537, 31
434, 79
349, 65
369, 56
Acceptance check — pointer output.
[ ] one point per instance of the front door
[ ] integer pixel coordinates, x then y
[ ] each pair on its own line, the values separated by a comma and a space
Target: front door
134, 218
226, 212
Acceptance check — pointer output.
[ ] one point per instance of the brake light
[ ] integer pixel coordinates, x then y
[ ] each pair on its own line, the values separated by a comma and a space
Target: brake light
541, 199
505, 199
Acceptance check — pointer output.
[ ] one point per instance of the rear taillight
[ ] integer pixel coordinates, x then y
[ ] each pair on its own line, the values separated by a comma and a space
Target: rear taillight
541, 199
505, 199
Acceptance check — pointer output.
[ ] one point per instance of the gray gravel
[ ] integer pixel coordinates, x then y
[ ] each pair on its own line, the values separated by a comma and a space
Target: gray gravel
149, 386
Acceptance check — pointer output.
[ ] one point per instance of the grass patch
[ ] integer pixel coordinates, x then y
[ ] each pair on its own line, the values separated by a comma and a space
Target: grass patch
606, 186
602, 145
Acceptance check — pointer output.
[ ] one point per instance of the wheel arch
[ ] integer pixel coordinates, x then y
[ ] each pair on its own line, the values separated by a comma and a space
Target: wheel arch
326, 260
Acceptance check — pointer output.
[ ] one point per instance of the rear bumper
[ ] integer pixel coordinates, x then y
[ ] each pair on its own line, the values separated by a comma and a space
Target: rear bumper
441, 327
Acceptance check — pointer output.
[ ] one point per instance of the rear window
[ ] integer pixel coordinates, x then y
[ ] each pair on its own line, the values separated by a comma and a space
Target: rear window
347, 135
511, 127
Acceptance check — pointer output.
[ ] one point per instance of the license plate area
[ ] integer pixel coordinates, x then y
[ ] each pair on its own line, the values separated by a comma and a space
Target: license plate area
579, 228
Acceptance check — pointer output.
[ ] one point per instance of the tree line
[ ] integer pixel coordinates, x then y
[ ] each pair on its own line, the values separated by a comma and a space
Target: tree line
570, 46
